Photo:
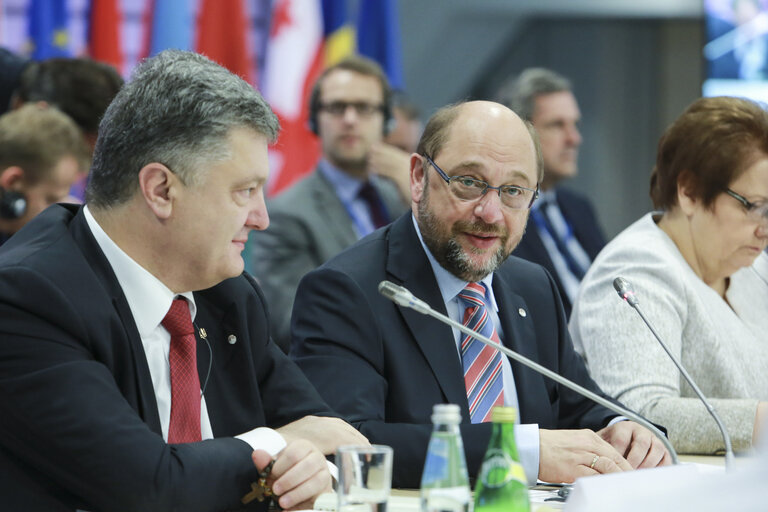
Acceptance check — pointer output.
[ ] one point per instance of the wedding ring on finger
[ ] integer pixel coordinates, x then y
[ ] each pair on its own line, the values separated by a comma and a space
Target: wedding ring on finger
594, 461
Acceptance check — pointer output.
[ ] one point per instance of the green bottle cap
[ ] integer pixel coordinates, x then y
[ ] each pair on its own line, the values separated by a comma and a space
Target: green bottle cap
504, 415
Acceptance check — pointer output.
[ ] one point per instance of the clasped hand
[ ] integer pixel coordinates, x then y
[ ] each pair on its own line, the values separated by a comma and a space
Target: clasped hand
300, 472
566, 455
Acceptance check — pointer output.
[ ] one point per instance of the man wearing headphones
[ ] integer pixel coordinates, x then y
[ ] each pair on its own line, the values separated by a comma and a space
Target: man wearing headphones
41, 153
342, 200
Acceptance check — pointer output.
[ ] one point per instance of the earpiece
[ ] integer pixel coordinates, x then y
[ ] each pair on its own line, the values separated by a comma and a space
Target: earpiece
13, 205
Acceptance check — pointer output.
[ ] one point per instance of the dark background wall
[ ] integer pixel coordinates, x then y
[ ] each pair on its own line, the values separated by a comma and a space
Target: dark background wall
633, 72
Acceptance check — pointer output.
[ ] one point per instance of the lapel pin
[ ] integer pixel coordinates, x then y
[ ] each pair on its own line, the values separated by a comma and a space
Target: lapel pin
522, 312
232, 339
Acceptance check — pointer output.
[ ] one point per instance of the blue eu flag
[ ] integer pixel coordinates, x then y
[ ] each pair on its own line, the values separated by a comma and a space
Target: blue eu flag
48, 35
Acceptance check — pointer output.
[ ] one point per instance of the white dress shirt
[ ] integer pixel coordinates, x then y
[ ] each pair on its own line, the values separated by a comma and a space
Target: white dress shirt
149, 300
526, 436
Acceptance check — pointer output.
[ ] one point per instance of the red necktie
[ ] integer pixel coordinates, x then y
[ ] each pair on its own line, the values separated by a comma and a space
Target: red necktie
185, 383
371, 197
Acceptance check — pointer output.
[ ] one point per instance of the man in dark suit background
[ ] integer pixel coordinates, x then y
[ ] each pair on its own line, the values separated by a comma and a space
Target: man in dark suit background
136, 369
562, 234
343, 199
383, 367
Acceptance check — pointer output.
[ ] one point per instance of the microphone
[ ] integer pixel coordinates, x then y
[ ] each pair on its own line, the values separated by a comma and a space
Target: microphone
405, 298
626, 292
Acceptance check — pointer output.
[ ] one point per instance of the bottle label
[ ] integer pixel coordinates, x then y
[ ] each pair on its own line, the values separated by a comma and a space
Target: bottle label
499, 469
436, 466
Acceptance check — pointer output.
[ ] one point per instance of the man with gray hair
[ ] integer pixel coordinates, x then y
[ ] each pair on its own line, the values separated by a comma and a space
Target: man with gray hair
562, 234
136, 367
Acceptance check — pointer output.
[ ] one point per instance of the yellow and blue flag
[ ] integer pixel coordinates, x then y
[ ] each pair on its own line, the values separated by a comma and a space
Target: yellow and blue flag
338, 32
47, 29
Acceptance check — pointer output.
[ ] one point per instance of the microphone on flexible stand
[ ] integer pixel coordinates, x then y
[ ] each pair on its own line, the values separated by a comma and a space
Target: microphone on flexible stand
401, 296
625, 291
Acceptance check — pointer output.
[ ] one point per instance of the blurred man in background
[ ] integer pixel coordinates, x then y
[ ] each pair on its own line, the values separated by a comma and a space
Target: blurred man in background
342, 200
42, 153
562, 234
81, 88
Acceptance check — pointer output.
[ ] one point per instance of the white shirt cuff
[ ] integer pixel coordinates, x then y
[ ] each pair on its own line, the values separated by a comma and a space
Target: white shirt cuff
616, 420
264, 438
527, 440
270, 441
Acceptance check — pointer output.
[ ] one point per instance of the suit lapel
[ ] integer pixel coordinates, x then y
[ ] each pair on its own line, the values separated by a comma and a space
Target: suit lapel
215, 352
336, 222
144, 392
519, 335
408, 265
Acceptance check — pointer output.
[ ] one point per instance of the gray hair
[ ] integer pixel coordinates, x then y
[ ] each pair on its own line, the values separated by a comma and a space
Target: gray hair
520, 93
178, 110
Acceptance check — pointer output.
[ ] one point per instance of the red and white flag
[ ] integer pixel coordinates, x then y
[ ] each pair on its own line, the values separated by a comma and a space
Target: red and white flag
294, 60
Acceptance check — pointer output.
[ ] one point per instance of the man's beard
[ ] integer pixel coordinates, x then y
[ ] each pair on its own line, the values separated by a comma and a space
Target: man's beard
448, 251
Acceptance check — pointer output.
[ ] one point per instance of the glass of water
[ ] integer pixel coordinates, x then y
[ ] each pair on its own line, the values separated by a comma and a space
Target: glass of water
365, 478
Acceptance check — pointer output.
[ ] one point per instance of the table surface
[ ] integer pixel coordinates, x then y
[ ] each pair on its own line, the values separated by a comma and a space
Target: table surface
538, 493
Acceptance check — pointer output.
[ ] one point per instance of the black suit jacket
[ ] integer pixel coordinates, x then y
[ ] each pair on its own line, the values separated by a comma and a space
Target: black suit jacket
383, 367
578, 211
80, 426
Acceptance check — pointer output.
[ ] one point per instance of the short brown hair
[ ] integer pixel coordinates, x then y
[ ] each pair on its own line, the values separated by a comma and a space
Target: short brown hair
435, 135
36, 138
708, 147
362, 66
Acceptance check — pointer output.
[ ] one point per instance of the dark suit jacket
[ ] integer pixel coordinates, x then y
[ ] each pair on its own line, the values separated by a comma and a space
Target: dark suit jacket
308, 226
80, 426
578, 211
383, 367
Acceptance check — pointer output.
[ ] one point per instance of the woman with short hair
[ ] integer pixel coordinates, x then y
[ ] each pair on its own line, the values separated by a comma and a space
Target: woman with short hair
696, 267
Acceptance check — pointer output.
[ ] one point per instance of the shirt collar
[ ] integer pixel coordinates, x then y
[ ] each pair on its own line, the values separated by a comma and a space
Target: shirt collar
545, 197
148, 298
450, 285
347, 187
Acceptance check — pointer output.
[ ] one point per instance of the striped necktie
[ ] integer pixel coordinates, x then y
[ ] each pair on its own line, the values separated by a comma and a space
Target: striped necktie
482, 364
574, 255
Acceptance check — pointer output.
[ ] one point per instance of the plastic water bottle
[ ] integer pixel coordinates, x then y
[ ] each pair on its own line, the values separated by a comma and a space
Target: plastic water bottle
445, 483
501, 485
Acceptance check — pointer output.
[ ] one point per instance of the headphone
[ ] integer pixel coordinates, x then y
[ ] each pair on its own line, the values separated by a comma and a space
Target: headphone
13, 205
314, 108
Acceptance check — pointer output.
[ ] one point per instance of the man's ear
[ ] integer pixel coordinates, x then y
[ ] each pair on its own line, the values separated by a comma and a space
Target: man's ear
158, 188
686, 199
417, 177
11, 178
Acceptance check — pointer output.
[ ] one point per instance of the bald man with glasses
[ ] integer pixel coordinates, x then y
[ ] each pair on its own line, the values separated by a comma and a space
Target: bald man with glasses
474, 178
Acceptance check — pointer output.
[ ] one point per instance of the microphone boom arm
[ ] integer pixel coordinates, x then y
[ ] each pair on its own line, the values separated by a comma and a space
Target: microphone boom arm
398, 295
726, 437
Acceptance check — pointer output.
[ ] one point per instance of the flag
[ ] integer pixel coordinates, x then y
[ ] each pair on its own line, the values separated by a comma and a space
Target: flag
378, 37
171, 26
47, 29
222, 36
338, 32
294, 59
104, 33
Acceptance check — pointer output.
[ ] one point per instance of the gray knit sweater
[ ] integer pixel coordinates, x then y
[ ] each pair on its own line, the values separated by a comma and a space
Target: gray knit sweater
725, 349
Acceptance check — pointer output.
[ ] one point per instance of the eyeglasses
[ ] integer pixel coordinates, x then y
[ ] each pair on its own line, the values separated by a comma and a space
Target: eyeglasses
756, 212
362, 108
470, 189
